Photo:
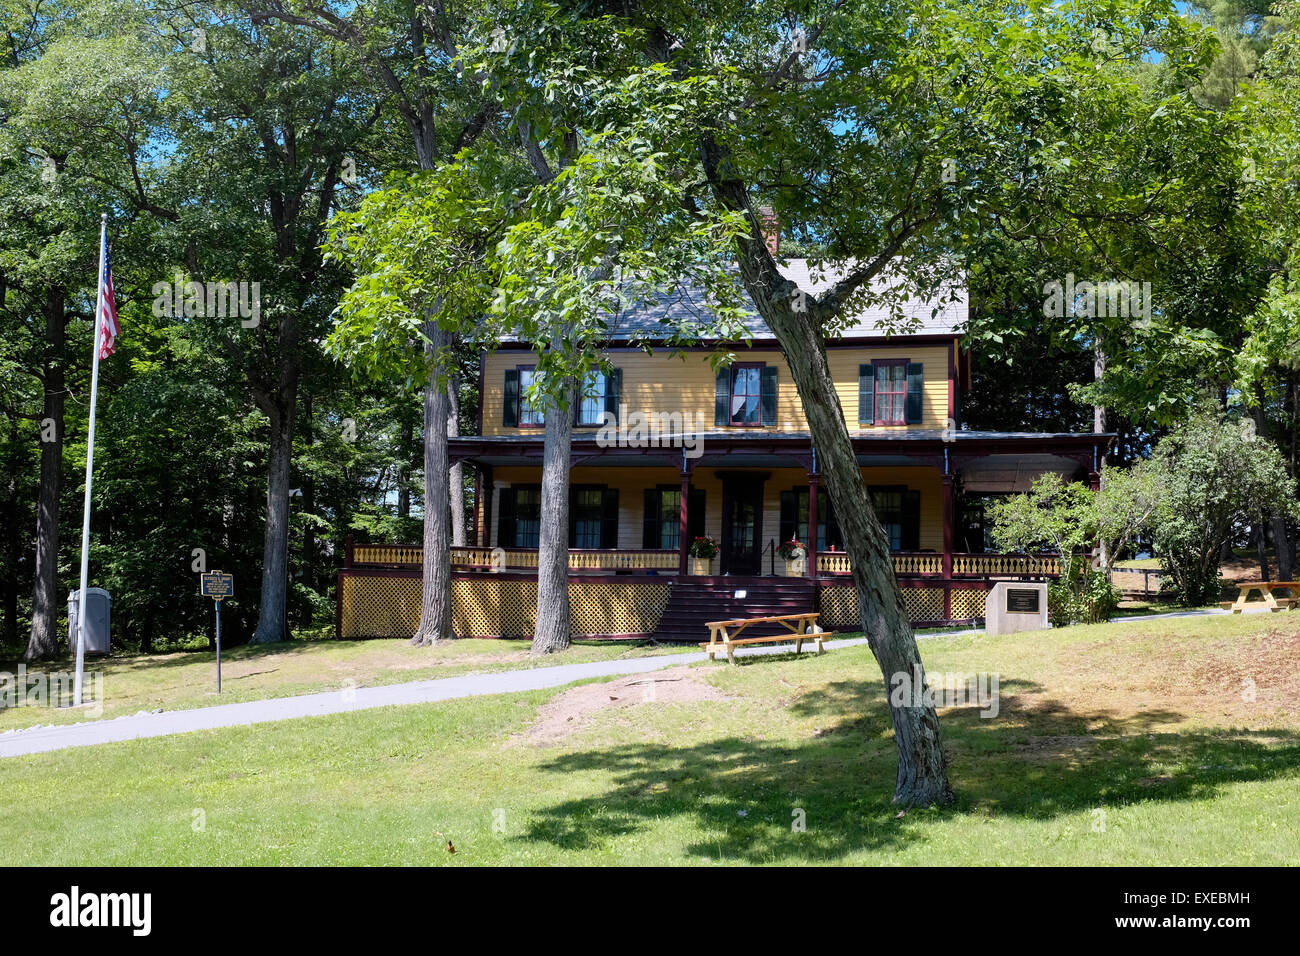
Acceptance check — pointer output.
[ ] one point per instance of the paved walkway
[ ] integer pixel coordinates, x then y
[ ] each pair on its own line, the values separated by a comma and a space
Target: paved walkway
42, 739
15, 743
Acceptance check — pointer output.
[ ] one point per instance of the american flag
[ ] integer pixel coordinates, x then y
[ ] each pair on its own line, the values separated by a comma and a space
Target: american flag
108, 325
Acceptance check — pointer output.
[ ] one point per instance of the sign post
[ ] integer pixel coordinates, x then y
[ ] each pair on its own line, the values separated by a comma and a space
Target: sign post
218, 586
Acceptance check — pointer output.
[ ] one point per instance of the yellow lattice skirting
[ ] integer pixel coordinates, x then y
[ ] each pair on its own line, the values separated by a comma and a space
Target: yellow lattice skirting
495, 606
839, 606
967, 603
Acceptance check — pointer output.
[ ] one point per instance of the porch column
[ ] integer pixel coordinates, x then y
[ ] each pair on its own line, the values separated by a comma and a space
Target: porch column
486, 488
948, 520
682, 542
813, 480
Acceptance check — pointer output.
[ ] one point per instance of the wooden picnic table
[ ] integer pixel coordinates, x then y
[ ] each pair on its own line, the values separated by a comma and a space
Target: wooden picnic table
1266, 589
725, 635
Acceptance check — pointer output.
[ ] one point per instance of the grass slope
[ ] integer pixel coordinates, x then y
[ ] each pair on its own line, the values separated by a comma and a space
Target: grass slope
178, 681
1159, 742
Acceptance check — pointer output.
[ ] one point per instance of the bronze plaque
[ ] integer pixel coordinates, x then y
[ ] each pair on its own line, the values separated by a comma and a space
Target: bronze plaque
1023, 600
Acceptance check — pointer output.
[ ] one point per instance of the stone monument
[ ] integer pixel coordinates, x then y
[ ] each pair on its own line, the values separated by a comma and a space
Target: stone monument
1016, 606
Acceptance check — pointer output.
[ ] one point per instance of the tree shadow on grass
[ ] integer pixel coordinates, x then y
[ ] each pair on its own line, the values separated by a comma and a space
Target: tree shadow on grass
746, 795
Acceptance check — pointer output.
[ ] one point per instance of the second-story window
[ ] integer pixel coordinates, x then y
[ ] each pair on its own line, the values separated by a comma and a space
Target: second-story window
602, 393
516, 410
746, 395
528, 414
592, 406
891, 392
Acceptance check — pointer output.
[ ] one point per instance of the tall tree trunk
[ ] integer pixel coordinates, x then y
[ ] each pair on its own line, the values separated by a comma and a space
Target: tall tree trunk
456, 479
1099, 427
44, 640
922, 769
272, 624
554, 628
435, 607
13, 544
922, 773
309, 502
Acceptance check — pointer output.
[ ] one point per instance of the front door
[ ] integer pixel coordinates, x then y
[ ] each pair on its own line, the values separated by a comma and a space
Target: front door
742, 525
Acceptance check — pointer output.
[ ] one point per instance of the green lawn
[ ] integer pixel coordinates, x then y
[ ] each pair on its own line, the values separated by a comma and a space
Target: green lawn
1141, 725
176, 681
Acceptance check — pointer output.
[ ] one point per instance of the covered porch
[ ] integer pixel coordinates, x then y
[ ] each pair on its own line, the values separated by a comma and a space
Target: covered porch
639, 509
634, 513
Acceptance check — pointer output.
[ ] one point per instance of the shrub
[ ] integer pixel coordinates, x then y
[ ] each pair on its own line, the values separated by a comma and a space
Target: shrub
1098, 598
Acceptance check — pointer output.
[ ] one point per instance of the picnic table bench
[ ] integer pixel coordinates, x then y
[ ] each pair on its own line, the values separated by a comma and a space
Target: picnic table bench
1266, 589
726, 635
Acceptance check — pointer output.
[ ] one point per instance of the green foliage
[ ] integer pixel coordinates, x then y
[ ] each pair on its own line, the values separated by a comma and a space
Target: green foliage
1054, 515
1213, 473
704, 547
1067, 517
418, 250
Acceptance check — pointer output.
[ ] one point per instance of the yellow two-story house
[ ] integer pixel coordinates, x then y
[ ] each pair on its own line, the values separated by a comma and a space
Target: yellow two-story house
666, 450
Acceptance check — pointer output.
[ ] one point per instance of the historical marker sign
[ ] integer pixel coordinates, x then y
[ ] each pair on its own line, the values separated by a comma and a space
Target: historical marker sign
1022, 601
215, 584
218, 586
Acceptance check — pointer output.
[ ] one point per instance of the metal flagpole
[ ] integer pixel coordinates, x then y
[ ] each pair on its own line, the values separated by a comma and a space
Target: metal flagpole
90, 465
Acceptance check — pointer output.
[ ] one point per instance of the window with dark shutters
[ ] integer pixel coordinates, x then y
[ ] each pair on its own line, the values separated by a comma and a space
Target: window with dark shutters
911, 521
661, 523
506, 518
746, 395
510, 404
722, 398
609, 518
515, 410
602, 392
915, 392
890, 393
794, 519
899, 511
586, 516
866, 394
519, 524
769, 395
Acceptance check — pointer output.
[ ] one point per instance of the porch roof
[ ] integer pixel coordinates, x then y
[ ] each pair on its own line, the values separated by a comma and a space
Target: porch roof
982, 458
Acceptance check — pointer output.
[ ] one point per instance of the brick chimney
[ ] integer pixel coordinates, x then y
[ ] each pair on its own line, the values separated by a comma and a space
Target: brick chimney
771, 229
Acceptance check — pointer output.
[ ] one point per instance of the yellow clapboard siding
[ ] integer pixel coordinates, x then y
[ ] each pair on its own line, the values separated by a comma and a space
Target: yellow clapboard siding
661, 383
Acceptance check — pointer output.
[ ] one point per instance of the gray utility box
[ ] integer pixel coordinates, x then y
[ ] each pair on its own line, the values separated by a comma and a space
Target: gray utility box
97, 615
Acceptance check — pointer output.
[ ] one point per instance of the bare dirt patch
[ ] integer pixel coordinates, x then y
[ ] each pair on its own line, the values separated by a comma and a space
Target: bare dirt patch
1246, 680
573, 710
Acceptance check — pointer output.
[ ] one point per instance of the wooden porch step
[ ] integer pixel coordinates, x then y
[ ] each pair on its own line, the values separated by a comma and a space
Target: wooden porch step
694, 601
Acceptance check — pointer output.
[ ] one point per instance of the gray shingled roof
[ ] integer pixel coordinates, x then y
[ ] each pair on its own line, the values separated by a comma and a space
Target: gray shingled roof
917, 315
